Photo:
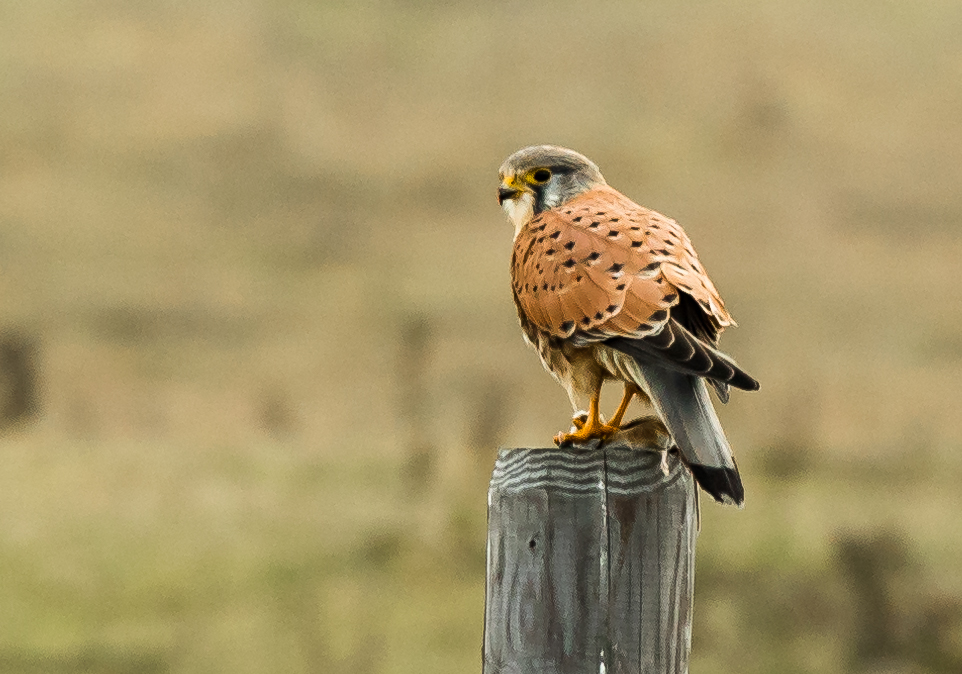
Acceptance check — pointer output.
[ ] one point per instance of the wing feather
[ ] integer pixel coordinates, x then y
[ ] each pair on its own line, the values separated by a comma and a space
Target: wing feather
603, 269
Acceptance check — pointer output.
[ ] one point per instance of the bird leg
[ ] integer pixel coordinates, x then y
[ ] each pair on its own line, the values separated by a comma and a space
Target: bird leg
592, 428
631, 390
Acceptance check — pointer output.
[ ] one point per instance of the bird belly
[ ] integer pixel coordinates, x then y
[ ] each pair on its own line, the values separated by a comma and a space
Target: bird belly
575, 368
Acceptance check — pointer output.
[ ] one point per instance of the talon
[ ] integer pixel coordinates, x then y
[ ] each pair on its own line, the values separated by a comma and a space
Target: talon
589, 426
587, 432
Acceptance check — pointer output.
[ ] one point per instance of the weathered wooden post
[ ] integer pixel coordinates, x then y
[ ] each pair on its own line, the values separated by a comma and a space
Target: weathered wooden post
590, 562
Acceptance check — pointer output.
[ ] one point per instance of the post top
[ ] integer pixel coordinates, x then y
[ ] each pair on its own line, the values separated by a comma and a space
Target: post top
618, 470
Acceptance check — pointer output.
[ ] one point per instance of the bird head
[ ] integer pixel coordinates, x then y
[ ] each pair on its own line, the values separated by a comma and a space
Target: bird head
542, 177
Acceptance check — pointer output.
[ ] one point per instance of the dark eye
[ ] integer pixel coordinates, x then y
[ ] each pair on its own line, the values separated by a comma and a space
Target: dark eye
542, 175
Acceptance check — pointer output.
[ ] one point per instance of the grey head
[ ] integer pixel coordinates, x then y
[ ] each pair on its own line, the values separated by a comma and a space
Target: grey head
542, 177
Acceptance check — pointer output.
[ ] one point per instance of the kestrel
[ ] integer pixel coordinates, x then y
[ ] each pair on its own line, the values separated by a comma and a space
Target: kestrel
609, 290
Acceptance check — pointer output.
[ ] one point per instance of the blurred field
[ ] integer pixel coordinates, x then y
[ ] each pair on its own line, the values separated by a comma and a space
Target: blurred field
254, 251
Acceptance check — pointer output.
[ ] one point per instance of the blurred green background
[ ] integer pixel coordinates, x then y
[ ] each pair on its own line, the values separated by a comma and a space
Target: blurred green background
258, 347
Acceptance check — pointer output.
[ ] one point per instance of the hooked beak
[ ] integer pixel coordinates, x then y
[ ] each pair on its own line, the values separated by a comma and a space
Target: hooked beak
507, 193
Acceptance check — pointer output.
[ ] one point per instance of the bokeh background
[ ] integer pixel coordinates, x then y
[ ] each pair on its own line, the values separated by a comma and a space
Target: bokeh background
258, 349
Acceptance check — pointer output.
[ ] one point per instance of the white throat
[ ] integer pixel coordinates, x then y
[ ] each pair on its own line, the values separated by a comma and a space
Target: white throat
520, 210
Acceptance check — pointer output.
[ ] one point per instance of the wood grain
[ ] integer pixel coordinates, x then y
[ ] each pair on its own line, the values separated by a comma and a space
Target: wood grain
590, 563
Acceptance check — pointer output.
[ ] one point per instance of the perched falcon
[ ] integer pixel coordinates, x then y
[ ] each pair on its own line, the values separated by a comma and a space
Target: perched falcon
607, 289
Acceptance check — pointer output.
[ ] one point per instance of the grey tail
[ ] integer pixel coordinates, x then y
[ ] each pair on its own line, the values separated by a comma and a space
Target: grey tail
683, 403
724, 484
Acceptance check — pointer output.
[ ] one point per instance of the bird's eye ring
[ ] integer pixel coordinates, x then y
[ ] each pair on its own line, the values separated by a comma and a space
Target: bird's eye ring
541, 176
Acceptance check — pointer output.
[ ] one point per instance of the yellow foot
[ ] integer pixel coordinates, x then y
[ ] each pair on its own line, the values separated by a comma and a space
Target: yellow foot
586, 432
580, 421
